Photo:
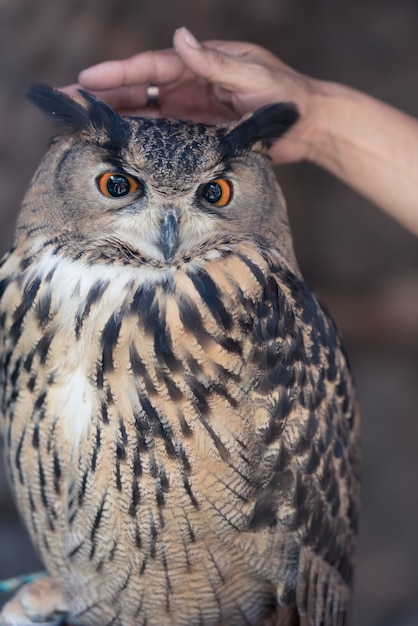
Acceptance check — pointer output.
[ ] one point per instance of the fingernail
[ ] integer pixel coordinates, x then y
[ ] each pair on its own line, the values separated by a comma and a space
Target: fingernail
189, 38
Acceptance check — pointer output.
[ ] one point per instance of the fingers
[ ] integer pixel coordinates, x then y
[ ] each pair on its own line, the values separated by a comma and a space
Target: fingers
124, 99
241, 74
209, 61
214, 81
221, 63
160, 67
123, 84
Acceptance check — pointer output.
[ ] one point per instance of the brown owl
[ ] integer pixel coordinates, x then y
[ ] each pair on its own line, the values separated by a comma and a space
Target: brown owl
178, 415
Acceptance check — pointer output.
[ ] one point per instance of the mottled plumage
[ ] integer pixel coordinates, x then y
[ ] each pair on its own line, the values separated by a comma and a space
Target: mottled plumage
179, 418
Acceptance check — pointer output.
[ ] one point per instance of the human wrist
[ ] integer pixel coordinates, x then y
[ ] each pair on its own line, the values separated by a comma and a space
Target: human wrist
318, 121
310, 138
332, 120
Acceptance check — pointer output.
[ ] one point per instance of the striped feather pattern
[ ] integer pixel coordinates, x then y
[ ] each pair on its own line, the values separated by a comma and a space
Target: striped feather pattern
181, 440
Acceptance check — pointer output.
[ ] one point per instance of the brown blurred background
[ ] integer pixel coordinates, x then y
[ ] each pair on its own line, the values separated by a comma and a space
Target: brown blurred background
362, 264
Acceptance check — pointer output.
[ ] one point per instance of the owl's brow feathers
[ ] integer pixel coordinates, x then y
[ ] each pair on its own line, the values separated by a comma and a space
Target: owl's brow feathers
262, 127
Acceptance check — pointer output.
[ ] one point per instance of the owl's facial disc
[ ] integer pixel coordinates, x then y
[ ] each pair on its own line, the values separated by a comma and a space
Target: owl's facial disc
169, 237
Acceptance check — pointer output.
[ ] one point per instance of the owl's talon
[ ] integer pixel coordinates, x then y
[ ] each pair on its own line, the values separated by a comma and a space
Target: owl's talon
40, 602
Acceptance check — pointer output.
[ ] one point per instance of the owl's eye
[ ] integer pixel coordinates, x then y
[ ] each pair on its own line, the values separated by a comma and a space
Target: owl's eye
217, 192
117, 185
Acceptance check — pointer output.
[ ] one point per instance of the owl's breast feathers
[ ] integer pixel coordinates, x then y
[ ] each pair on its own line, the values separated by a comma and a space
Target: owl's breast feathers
199, 417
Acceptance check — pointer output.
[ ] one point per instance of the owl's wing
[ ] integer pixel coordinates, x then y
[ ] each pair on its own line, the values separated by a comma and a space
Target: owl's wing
307, 484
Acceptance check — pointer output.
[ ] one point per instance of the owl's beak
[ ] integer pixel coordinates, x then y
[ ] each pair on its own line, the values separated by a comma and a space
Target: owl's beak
169, 235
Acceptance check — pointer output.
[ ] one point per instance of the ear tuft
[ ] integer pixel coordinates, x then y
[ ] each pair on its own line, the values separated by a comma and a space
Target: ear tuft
95, 115
263, 126
59, 106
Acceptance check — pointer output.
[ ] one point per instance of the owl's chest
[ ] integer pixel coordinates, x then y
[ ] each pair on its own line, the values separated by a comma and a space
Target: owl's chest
142, 417
115, 372
129, 415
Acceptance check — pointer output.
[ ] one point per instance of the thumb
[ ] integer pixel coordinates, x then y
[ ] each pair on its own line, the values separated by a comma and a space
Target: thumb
209, 63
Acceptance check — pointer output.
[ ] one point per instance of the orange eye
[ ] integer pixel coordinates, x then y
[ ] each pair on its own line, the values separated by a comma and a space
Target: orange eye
217, 192
117, 185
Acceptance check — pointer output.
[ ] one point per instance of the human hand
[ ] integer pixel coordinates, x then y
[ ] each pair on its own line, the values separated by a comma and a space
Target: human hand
214, 82
370, 146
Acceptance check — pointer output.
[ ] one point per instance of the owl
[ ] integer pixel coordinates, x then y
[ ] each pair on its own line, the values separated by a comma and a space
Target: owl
178, 415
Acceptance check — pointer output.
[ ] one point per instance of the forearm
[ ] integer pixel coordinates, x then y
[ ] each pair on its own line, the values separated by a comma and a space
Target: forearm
370, 146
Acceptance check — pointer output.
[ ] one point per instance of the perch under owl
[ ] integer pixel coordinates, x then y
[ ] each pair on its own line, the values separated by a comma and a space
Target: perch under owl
178, 415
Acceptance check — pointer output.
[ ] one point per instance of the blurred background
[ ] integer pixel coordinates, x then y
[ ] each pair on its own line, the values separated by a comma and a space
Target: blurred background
361, 263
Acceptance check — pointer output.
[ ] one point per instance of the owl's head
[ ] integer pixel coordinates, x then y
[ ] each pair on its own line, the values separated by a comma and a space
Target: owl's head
160, 188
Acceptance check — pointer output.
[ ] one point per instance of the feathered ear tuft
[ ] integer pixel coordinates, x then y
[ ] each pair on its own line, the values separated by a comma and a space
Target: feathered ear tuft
263, 126
94, 115
59, 106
